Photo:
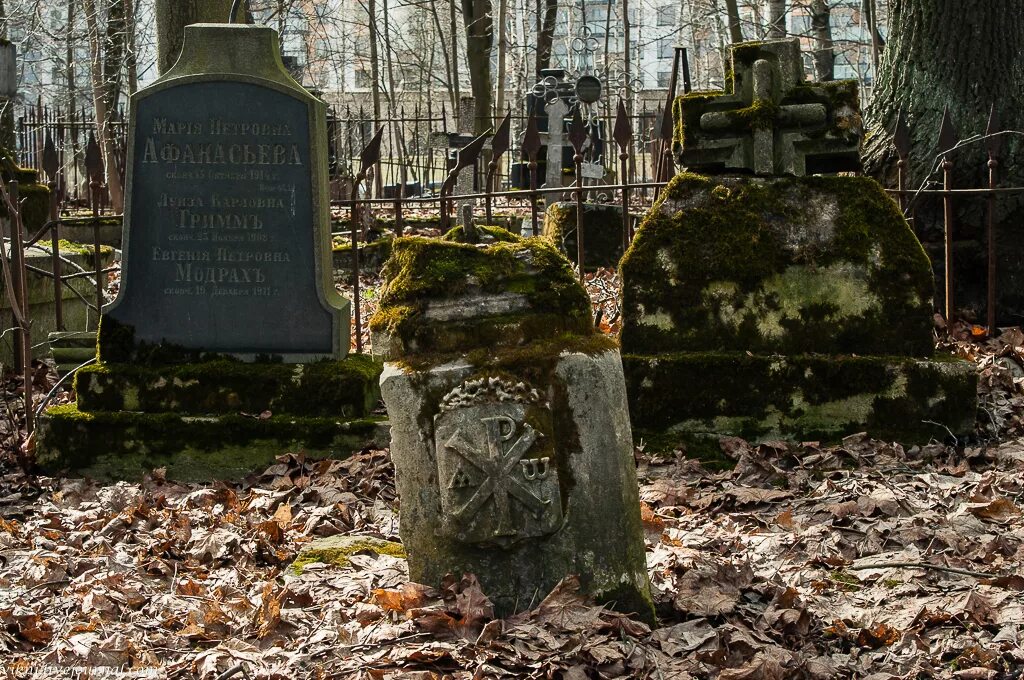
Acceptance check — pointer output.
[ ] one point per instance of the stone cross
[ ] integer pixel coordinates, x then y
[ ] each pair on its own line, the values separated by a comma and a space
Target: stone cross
466, 125
557, 111
773, 122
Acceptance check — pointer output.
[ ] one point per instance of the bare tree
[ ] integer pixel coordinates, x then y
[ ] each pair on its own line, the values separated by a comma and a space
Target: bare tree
100, 100
777, 19
824, 57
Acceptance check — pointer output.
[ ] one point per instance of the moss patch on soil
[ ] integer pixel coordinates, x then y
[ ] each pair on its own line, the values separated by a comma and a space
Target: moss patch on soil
337, 551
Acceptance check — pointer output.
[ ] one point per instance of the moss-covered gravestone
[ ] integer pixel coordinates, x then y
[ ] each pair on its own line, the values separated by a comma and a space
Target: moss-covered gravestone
602, 237
226, 345
797, 308
781, 307
509, 429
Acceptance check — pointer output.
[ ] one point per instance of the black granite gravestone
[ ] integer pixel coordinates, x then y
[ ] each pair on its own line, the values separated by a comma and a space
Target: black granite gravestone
226, 220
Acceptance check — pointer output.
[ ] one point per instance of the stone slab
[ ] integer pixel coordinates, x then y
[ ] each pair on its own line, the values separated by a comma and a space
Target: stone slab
520, 480
799, 398
346, 388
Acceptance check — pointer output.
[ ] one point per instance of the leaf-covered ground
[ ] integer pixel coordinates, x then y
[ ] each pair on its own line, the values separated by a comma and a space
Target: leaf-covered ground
864, 560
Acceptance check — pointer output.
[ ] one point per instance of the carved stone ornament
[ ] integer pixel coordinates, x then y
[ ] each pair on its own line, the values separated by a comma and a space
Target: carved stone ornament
496, 467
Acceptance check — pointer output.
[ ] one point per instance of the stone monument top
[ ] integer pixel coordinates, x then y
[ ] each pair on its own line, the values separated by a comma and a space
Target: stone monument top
769, 120
227, 224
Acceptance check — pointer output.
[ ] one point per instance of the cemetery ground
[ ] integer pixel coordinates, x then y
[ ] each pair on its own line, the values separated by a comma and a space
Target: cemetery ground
860, 560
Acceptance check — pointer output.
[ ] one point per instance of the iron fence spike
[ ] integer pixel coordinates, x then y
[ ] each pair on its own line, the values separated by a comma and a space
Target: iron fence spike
50, 161
371, 152
577, 131
948, 136
531, 139
499, 144
901, 136
623, 132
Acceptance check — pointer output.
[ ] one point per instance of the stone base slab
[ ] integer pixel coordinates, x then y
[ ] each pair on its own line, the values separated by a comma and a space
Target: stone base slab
800, 398
125, 445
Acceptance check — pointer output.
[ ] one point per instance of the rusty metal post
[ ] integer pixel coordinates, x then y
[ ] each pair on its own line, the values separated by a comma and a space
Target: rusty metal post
994, 143
369, 156
51, 167
531, 145
499, 145
23, 338
577, 136
948, 139
901, 143
623, 135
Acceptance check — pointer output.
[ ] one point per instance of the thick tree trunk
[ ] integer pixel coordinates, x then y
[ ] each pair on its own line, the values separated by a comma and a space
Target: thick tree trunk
733, 12
821, 28
546, 33
479, 39
172, 16
114, 53
776, 19
967, 57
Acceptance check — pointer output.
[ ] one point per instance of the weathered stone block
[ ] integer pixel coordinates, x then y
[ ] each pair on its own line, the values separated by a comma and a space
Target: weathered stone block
602, 236
520, 474
797, 308
802, 397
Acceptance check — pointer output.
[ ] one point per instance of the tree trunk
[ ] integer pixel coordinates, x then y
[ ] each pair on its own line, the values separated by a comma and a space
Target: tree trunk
776, 19
114, 53
733, 12
172, 16
967, 57
448, 66
946, 53
546, 34
453, 27
131, 62
99, 99
499, 106
479, 38
821, 28
868, 7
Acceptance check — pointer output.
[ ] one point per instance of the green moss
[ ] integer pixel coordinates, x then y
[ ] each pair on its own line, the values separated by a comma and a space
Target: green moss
488, 233
794, 265
125, 445
71, 248
346, 388
337, 551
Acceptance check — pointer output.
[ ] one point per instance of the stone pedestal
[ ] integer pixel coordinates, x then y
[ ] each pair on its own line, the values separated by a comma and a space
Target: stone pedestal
510, 434
213, 420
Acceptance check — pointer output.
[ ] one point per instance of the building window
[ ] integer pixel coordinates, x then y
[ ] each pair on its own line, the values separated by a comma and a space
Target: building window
362, 78
667, 15
665, 48
664, 78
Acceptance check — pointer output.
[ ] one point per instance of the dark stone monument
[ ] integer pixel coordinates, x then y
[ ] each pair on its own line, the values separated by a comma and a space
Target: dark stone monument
227, 343
226, 246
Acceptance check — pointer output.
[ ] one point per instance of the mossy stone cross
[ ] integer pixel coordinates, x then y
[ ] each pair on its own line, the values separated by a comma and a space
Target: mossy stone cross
772, 123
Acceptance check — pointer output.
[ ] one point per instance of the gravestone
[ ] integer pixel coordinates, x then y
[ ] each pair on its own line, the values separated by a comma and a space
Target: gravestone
770, 121
509, 429
781, 307
227, 344
227, 226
